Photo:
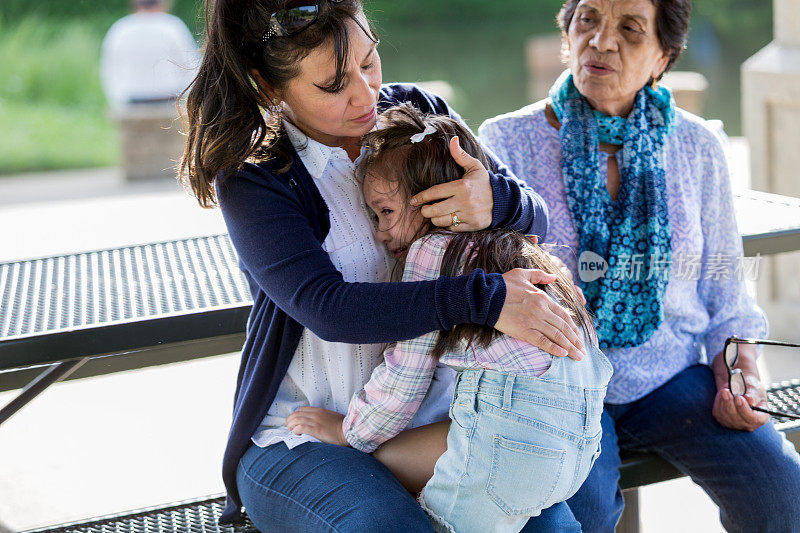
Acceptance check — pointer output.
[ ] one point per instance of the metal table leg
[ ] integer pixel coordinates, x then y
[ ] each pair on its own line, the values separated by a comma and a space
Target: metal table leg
629, 521
52, 375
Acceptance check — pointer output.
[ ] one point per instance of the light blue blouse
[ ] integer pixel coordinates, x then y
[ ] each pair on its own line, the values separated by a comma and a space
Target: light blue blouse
706, 300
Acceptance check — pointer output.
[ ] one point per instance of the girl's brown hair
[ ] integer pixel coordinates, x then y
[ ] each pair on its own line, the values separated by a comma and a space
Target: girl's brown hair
225, 118
414, 167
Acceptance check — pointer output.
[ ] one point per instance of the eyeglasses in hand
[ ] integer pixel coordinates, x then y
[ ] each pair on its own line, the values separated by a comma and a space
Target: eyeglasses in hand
736, 381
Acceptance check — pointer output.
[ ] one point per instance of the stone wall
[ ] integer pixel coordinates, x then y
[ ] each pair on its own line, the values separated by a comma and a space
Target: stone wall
771, 121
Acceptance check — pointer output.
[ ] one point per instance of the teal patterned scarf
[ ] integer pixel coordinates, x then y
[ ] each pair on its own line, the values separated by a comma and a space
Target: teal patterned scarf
631, 234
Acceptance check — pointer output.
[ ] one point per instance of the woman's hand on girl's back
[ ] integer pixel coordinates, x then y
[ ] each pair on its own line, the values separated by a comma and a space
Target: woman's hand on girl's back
470, 198
529, 314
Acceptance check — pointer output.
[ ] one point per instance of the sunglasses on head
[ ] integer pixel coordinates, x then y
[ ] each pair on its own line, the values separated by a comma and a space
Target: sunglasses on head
736, 381
293, 17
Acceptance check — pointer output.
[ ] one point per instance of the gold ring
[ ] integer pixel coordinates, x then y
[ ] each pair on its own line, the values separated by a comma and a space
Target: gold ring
455, 221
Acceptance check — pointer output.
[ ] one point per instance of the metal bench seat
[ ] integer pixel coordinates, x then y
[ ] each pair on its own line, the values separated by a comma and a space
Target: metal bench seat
200, 516
644, 469
193, 516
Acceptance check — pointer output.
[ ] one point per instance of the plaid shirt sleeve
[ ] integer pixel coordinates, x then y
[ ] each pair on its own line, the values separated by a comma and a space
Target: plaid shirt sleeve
394, 392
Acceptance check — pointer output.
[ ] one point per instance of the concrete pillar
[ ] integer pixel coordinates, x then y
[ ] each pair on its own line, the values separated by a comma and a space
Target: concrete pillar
787, 17
543, 58
152, 144
689, 90
771, 121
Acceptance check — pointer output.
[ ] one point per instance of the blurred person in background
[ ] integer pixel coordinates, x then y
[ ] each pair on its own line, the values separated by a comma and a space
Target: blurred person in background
148, 56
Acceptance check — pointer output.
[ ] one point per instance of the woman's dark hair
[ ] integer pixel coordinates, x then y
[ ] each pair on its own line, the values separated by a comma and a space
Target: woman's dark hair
672, 25
225, 117
415, 167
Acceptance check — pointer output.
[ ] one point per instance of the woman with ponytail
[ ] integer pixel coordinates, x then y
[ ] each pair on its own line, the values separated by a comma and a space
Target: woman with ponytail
274, 119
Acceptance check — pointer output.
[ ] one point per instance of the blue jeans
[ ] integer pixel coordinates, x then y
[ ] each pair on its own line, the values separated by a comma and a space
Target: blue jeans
754, 478
517, 444
318, 487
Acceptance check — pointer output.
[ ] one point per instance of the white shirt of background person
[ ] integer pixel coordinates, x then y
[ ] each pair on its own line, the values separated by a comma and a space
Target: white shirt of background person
149, 55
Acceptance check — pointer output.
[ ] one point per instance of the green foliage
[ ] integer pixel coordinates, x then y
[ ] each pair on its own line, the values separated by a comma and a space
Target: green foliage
390, 11
99, 13
733, 19
47, 136
740, 23
44, 62
461, 11
51, 103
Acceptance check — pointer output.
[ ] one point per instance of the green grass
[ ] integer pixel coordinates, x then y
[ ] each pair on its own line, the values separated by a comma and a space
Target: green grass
52, 136
47, 62
51, 104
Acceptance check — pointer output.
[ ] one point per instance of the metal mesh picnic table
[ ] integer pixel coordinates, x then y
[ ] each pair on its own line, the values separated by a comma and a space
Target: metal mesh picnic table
125, 301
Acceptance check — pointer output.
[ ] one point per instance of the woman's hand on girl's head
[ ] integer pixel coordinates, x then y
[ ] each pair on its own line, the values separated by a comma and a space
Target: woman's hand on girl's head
531, 315
320, 423
470, 198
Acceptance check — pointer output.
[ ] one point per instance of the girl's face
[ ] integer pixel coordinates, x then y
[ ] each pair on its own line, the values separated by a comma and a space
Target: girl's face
335, 119
398, 223
614, 51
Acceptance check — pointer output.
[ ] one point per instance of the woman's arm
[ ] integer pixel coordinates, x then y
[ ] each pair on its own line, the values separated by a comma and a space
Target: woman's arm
279, 250
277, 246
396, 388
722, 289
734, 411
723, 270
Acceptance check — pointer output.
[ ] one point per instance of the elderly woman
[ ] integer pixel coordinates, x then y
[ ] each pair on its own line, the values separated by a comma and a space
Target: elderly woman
638, 193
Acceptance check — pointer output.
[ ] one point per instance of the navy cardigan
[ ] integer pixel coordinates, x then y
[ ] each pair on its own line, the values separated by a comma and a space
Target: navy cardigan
277, 223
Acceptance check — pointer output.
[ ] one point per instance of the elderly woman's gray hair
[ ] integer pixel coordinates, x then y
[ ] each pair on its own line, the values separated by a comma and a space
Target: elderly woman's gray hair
672, 22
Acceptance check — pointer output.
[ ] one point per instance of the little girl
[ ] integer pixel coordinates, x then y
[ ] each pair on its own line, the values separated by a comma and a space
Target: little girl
525, 427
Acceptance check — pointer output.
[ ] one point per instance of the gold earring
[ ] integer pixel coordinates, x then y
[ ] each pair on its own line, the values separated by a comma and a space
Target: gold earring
654, 85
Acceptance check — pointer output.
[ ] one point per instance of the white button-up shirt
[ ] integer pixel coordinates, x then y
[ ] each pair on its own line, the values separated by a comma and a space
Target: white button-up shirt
327, 374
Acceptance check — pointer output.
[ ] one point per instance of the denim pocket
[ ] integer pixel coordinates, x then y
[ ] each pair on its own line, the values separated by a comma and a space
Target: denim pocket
523, 476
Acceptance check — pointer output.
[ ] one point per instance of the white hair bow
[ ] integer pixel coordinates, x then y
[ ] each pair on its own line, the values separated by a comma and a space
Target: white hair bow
417, 137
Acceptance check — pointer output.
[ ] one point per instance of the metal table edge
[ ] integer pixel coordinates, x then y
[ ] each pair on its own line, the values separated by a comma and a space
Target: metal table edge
115, 248
122, 336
